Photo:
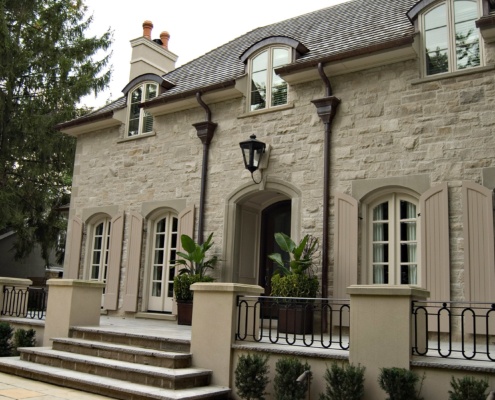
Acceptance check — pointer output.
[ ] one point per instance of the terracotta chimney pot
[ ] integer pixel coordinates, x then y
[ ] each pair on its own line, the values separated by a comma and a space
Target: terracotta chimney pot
165, 36
147, 27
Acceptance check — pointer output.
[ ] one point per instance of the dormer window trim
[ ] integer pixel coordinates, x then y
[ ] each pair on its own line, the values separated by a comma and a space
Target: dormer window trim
139, 121
439, 26
299, 48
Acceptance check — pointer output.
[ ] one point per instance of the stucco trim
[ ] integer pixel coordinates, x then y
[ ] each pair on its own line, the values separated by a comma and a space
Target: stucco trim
151, 206
488, 177
89, 213
364, 187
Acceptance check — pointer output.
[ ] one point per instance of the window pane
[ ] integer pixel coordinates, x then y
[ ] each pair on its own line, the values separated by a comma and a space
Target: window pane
466, 34
148, 122
380, 252
159, 257
279, 91
95, 272
408, 275
380, 232
157, 273
408, 252
436, 40
408, 231
151, 91
280, 57
260, 62
380, 274
160, 225
136, 96
156, 289
380, 212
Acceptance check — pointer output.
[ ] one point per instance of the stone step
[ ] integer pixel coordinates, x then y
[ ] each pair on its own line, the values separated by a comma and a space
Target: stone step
138, 355
169, 378
106, 386
131, 339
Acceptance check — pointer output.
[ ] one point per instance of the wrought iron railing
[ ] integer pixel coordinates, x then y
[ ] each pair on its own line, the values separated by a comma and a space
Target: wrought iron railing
322, 323
24, 302
454, 330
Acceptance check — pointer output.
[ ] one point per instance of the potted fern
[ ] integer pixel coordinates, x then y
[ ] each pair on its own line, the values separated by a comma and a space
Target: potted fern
295, 278
193, 265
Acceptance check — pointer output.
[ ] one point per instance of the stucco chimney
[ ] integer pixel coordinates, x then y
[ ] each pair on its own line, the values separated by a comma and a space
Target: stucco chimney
164, 37
147, 27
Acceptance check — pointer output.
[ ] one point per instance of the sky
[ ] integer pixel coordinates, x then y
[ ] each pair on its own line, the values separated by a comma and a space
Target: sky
195, 27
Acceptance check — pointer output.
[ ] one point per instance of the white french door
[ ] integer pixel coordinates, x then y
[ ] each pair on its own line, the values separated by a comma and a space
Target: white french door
165, 241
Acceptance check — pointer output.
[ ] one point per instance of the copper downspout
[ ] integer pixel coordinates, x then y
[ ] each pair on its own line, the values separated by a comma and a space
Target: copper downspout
326, 109
205, 131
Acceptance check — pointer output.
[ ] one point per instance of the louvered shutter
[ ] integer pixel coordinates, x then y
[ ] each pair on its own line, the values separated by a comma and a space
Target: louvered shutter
186, 224
133, 262
110, 301
479, 257
435, 258
345, 244
74, 246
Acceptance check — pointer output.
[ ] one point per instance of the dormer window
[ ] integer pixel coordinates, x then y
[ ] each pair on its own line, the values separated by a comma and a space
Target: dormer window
267, 88
140, 121
451, 40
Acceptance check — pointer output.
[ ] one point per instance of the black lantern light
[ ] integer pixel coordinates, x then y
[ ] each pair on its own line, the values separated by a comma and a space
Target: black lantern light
252, 151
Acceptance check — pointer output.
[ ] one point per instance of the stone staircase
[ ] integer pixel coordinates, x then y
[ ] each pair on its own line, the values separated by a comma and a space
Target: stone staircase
123, 366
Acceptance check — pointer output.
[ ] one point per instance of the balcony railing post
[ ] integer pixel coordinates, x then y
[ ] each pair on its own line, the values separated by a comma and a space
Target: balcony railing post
9, 303
374, 307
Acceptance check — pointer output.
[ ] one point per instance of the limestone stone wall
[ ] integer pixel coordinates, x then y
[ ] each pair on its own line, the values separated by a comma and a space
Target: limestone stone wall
388, 125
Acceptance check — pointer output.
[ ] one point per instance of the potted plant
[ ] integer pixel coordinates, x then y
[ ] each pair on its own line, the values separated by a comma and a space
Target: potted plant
192, 267
295, 278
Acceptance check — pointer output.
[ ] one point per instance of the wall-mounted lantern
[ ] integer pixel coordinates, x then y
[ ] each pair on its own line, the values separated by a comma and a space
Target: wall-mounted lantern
252, 152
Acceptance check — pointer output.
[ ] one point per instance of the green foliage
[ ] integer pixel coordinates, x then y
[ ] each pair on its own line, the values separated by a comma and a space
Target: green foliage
344, 383
251, 376
23, 338
194, 261
294, 277
400, 384
5, 339
300, 256
468, 388
182, 285
46, 66
294, 286
286, 387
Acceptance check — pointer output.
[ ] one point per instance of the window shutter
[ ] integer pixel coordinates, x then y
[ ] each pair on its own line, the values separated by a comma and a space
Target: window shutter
114, 257
186, 224
74, 246
345, 244
435, 258
133, 262
479, 257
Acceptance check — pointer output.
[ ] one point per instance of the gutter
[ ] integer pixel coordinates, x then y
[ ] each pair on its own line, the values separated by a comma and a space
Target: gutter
407, 40
84, 120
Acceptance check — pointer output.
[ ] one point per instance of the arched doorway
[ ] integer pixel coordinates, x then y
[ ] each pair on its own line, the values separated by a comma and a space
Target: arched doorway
252, 218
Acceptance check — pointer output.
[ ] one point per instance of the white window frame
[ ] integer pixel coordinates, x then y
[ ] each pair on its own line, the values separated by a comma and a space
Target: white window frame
269, 80
394, 262
142, 112
167, 259
451, 52
105, 250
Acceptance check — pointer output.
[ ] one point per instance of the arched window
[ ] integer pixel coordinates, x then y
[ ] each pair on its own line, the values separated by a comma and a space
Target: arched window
100, 245
393, 254
267, 89
140, 121
451, 40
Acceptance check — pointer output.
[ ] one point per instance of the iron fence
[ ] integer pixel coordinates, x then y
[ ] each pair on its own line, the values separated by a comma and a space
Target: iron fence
454, 330
322, 323
24, 302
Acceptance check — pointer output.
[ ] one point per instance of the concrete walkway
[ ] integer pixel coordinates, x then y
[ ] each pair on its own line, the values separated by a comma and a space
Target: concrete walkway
14, 387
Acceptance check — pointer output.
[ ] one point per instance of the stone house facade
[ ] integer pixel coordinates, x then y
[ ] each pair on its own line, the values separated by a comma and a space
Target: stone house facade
403, 194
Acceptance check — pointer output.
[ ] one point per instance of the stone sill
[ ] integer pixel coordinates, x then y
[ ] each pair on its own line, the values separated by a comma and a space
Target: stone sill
448, 75
136, 137
267, 110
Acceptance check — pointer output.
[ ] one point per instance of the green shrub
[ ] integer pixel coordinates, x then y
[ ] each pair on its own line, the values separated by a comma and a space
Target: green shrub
5, 339
344, 383
23, 338
251, 376
286, 387
468, 388
400, 383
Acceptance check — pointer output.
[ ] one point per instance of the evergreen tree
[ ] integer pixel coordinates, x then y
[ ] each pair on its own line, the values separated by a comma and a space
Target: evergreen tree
46, 66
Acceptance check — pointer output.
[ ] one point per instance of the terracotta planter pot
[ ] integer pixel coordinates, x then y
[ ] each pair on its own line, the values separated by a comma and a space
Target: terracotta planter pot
184, 312
296, 319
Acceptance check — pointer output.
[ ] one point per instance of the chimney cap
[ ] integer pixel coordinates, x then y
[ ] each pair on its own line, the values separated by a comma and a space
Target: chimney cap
147, 27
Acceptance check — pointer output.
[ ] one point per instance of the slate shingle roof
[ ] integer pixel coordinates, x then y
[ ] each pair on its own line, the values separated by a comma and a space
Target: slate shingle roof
354, 25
